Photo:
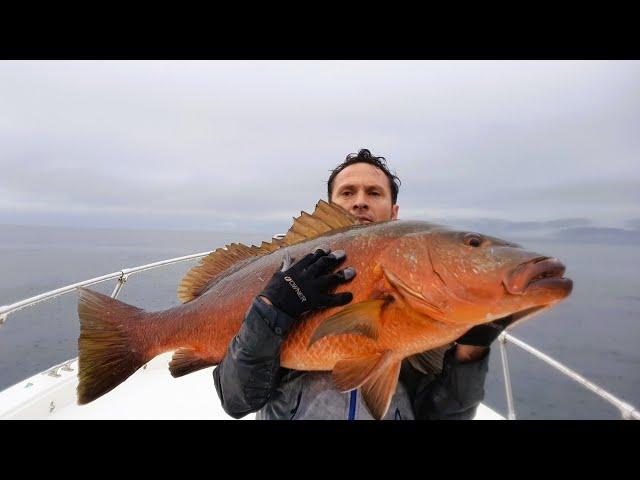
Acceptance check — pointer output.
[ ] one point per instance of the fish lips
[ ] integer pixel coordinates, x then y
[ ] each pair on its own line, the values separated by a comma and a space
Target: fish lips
540, 274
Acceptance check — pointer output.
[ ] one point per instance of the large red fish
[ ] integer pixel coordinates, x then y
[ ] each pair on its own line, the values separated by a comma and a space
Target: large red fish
418, 287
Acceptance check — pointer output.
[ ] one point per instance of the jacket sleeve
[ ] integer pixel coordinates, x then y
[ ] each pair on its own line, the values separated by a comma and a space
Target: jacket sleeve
248, 373
454, 394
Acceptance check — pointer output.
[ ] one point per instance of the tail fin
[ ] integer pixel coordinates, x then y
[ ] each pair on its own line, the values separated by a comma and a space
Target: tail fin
105, 356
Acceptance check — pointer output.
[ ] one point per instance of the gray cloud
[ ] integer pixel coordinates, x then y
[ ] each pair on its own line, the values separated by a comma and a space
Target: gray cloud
246, 145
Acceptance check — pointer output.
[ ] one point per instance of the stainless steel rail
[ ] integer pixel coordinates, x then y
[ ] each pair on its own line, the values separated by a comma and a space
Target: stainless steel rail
121, 275
627, 411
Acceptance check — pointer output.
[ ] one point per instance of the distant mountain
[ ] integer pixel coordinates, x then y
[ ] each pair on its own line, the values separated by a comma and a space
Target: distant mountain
634, 223
496, 226
566, 229
599, 235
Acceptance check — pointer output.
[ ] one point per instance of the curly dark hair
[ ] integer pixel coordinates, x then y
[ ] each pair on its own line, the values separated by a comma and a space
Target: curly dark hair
364, 156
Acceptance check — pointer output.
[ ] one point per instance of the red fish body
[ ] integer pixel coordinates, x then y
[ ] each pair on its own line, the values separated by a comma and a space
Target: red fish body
419, 286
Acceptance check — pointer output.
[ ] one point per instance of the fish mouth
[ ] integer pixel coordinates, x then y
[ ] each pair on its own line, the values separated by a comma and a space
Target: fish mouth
541, 273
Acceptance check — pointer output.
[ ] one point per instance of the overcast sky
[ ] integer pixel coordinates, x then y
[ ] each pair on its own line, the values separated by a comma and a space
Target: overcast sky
246, 145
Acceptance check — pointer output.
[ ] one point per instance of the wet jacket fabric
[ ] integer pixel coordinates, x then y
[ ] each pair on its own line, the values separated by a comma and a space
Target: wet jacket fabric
249, 379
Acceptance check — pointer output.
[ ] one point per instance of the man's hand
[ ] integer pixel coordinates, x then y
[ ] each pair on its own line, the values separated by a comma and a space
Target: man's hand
473, 344
305, 286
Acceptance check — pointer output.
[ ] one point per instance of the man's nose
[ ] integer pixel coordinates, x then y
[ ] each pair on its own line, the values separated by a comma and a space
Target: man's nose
360, 202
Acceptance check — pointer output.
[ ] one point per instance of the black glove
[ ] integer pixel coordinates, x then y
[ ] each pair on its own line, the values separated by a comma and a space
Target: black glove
305, 285
483, 335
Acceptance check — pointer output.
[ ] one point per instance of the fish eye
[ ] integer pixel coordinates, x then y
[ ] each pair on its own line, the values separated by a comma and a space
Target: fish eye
473, 240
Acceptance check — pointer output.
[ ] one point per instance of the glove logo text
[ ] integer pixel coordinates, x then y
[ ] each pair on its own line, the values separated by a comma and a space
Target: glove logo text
296, 288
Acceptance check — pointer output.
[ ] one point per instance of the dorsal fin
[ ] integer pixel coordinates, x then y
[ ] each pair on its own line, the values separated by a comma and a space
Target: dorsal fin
325, 218
217, 262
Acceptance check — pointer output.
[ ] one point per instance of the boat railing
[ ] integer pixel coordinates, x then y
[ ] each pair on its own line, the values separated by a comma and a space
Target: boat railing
627, 411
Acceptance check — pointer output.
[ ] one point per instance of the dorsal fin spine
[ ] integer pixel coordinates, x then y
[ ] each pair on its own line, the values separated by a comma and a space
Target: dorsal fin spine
325, 218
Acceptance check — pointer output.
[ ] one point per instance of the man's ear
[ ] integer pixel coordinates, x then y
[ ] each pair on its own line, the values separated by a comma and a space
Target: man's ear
394, 211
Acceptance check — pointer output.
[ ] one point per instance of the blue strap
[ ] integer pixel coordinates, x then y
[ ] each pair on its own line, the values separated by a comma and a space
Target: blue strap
352, 405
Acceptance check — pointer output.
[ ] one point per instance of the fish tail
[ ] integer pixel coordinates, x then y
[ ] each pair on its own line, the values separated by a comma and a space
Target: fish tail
106, 353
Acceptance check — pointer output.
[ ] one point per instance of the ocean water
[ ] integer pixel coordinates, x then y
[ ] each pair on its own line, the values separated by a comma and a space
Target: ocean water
595, 332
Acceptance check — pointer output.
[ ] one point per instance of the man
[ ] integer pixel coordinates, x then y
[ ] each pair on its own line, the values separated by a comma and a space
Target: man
249, 378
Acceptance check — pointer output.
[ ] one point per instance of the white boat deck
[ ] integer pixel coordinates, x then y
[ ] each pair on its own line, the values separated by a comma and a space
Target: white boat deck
149, 394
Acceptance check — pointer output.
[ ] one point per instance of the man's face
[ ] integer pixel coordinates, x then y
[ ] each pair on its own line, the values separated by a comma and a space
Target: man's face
364, 191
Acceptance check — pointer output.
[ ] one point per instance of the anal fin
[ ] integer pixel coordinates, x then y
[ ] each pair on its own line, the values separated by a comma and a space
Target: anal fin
380, 387
376, 375
351, 373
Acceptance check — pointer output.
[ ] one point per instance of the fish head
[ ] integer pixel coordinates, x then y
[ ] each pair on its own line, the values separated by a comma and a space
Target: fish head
466, 278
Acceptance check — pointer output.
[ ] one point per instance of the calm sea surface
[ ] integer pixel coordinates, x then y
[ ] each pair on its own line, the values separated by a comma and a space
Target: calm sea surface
595, 332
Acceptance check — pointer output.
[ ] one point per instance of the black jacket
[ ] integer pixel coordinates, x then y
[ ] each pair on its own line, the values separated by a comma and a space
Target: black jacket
250, 378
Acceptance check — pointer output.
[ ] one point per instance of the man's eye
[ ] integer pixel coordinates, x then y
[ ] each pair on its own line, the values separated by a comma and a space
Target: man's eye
346, 194
375, 193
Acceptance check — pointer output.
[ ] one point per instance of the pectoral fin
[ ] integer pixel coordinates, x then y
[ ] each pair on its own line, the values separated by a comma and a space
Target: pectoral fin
361, 318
